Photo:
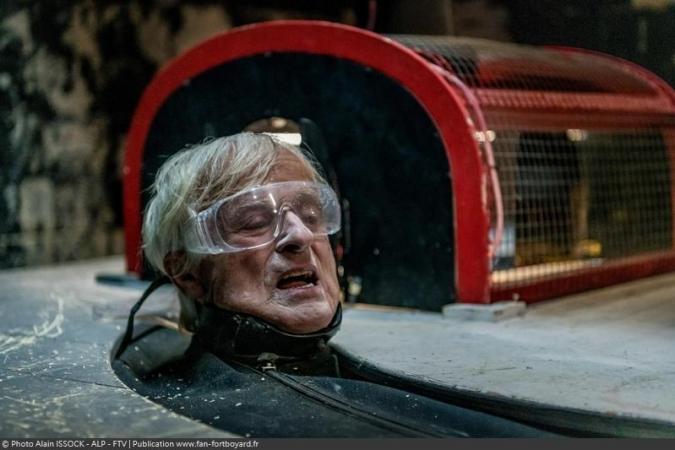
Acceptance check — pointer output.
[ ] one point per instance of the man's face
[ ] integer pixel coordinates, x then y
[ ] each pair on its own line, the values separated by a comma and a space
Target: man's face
256, 282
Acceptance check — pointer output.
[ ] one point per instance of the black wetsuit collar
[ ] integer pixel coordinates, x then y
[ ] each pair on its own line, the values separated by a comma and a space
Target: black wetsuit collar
246, 338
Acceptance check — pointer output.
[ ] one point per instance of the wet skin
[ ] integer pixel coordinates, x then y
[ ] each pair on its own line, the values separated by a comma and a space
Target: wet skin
252, 282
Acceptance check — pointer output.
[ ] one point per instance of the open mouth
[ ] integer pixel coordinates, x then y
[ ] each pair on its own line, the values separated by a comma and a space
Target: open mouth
297, 279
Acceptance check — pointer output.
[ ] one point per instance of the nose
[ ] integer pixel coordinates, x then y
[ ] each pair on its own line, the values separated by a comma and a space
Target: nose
294, 235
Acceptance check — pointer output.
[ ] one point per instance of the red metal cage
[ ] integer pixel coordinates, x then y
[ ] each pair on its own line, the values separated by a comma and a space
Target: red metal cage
578, 150
561, 160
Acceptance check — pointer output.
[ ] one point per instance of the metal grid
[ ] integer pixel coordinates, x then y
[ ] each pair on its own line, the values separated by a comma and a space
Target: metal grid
575, 199
582, 169
492, 65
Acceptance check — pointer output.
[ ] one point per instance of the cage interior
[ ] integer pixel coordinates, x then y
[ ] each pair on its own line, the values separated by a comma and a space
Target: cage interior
390, 163
582, 148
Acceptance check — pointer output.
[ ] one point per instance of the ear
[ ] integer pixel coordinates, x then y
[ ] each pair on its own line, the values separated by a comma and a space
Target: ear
186, 280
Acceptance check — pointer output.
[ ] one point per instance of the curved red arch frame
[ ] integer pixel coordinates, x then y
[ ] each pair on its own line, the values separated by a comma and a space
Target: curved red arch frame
411, 71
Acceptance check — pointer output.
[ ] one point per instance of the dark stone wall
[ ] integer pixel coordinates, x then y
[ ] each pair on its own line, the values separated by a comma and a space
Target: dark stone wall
641, 31
71, 73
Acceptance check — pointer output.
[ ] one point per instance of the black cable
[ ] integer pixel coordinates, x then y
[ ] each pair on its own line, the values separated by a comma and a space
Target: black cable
128, 334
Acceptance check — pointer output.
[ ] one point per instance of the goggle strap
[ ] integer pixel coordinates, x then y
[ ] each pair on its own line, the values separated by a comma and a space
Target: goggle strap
129, 332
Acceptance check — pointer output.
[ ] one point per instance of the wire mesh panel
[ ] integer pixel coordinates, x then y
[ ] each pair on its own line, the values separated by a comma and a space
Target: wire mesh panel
578, 161
575, 199
560, 161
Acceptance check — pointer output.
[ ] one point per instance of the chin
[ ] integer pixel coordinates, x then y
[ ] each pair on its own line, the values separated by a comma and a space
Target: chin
308, 318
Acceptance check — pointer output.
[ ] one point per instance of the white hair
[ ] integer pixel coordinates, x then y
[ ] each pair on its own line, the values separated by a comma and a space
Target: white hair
197, 177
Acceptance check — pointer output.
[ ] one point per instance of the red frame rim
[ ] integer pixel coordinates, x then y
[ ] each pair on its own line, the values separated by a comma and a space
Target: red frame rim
444, 107
610, 273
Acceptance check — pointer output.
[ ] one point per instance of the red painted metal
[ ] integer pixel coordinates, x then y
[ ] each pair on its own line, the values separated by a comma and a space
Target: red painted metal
639, 101
444, 106
633, 110
563, 101
530, 90
614, 272
669, 139
660, 87
555, 122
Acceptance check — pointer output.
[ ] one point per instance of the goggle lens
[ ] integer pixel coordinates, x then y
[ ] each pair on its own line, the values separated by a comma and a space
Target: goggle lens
255, 217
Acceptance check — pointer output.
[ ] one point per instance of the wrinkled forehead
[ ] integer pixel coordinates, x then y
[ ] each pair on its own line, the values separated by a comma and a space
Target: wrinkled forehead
291, 167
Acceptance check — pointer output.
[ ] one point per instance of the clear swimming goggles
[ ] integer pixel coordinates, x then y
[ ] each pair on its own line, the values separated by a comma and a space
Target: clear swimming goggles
255, 217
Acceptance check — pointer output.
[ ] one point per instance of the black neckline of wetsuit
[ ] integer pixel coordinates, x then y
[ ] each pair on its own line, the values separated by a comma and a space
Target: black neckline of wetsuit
255, 342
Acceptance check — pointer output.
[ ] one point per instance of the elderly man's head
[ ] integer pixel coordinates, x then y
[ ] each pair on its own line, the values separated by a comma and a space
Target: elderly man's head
242, 222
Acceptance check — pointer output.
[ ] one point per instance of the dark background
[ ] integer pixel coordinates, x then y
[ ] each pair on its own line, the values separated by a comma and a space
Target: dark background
71, 73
